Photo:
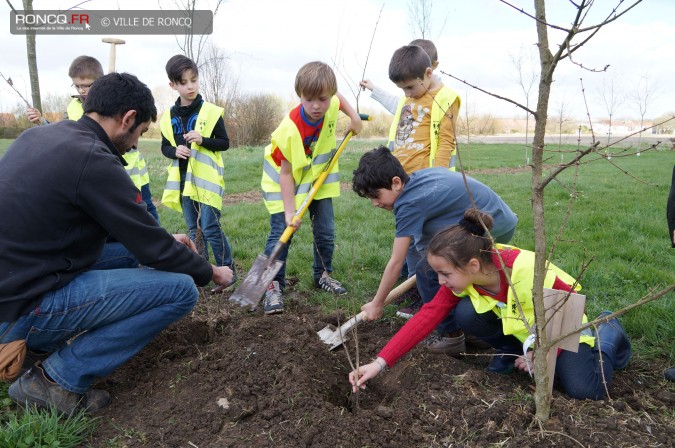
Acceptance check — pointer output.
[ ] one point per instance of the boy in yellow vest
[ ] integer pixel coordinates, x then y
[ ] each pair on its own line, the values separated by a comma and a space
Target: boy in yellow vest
386, 99
83, 71
422, 134
194, 136
300, 149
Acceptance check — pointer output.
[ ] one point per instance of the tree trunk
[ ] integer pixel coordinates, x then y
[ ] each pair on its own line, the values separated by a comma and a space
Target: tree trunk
32, 60
542, 397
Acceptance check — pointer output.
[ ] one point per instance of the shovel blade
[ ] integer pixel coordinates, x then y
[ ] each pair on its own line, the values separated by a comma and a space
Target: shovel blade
331, 335
258, 278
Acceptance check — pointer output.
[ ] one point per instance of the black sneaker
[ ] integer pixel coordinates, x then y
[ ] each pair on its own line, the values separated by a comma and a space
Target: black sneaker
33, 388
331, 285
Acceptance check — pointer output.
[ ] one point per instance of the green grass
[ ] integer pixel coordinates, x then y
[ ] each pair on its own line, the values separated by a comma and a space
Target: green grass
618, 222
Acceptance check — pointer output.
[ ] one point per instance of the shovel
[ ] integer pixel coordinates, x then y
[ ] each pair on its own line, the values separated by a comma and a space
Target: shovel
265, 267
335, 337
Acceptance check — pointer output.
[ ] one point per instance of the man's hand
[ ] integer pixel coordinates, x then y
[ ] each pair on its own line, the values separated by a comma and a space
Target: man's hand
182, 152
183, 238
222, 276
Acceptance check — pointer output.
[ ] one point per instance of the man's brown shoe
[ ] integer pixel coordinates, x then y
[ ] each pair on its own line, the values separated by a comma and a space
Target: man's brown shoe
33, 388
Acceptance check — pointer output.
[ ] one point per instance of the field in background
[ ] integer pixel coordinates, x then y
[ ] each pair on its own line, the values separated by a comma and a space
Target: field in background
617, 220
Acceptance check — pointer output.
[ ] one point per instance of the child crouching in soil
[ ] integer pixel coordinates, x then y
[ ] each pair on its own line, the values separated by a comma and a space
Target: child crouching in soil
473, 283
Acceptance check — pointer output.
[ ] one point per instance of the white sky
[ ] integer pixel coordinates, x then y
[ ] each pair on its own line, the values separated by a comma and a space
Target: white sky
268, 41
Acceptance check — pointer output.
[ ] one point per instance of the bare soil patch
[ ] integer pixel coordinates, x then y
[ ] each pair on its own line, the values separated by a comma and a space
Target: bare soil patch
226, 377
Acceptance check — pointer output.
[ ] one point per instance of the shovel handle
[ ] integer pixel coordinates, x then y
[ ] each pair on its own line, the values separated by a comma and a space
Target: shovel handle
400, 290
393, 295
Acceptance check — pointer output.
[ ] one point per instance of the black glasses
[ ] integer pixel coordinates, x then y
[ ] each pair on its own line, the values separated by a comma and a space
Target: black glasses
81, 86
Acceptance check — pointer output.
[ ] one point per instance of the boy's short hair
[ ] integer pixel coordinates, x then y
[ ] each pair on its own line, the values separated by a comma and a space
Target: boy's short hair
376, 170
427, 46
178, 65
408, 62
115, 94
315, 79
85, 67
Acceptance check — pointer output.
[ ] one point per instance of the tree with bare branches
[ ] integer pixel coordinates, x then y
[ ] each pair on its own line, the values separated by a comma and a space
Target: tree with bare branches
574, 37
612, 97
642, 97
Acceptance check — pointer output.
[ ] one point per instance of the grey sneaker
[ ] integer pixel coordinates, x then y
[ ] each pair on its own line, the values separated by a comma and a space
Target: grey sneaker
273, 303
453, 344
331, 285
33, 388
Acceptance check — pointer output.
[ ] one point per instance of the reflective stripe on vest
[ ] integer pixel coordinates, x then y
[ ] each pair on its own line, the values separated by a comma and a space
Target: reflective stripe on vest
305, 170
522, 278
136, 168
205, 169
441, 103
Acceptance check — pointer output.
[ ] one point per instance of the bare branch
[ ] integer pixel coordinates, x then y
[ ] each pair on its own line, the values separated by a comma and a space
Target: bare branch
526, 109
522, 11
365, 64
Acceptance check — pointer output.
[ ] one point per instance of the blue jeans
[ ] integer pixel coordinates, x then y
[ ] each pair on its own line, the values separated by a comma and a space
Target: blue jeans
427, 285
115, 256
323, 229
100, 320
210, 224
146, 195
578, 374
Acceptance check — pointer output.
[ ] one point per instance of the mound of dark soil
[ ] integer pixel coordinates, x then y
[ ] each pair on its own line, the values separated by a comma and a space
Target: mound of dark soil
225, 377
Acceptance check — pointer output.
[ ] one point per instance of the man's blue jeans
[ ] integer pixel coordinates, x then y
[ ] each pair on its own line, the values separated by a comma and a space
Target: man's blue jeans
146, 195
100, 320
323, 229
578, 374
210, 224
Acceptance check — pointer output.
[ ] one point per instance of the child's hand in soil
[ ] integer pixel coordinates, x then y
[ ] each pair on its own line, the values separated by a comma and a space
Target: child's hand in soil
365, 373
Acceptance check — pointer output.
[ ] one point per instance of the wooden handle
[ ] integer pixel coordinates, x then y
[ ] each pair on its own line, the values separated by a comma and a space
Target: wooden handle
400, 290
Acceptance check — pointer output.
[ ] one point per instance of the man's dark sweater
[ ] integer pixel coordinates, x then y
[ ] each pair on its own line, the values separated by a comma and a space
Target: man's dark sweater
64, 190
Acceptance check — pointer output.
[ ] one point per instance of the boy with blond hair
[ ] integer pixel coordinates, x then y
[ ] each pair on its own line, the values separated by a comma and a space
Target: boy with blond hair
301, 148
83, 71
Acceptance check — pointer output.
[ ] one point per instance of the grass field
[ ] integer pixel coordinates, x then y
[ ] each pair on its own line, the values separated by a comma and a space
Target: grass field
617, 220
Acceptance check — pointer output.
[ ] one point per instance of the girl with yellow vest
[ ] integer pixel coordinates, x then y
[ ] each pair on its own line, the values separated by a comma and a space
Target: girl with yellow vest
474, 285
194, 136
301, 148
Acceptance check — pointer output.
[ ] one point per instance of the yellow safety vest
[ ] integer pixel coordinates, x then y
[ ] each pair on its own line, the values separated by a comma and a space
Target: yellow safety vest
306, 169
204, 180
75, 110
136, 167
441, 103
522, 278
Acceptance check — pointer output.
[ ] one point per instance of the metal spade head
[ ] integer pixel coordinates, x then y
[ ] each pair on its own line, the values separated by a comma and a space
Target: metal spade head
258, 278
